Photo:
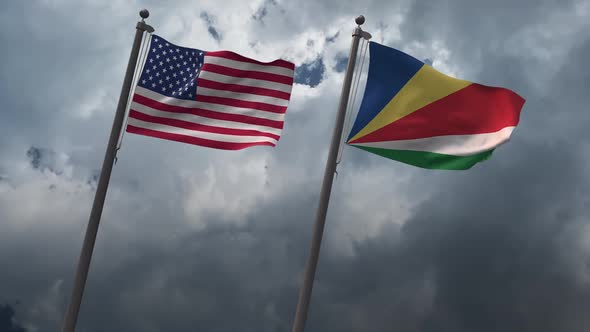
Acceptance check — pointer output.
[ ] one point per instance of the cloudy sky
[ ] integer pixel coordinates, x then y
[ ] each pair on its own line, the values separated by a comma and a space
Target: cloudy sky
194, 239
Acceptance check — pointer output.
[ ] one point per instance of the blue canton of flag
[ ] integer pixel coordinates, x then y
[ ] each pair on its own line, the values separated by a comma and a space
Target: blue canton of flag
172, 70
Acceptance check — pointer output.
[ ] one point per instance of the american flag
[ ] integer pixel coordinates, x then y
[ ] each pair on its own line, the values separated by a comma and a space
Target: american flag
217, 99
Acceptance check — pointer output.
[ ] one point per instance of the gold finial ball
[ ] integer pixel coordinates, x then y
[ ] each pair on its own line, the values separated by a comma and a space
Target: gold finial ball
144, 13
360, 20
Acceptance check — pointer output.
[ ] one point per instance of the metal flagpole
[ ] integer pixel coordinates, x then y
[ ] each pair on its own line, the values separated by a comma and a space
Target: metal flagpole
103, 181
318, 231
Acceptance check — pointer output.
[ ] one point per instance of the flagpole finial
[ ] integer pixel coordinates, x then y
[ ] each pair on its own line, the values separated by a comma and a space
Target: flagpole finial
144, 13
360, 20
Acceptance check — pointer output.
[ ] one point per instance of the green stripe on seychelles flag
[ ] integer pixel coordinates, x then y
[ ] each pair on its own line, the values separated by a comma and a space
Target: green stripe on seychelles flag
416, 115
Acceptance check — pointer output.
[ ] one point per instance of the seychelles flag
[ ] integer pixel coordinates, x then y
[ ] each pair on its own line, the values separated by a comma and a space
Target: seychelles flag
414, 114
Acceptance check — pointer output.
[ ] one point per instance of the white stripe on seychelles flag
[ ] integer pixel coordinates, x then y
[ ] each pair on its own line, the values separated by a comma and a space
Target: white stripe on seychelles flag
457, 145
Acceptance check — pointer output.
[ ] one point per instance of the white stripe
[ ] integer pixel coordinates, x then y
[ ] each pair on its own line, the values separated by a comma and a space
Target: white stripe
199, 134
245, 81
248, 66
209, 106
242, 96
203, 120
457, 145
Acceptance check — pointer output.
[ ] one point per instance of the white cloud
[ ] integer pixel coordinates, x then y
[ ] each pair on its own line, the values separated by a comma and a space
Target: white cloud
38, 200
227, 191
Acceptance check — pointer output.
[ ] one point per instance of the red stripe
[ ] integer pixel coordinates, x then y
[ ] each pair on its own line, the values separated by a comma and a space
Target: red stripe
234, 56
193, 140
241, 103
207, 113
210, 67
198, 127
244, 89
475, 109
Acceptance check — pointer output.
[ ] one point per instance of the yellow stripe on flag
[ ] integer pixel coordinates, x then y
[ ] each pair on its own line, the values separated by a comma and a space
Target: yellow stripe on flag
426, 86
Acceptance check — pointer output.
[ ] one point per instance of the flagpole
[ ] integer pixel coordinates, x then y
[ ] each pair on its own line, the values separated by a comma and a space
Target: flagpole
71, 316
312, 261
